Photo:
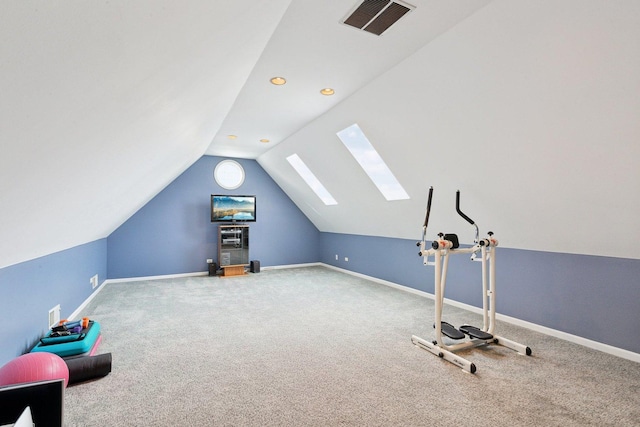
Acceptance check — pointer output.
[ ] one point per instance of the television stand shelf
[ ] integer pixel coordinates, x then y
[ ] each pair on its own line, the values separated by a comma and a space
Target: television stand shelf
233, 249
233, 270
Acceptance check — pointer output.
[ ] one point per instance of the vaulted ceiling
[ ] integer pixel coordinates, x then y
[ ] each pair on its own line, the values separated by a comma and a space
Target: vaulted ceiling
313, 50
519, 104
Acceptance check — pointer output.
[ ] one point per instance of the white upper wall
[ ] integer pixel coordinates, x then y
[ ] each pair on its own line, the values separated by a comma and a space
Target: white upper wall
531, 109
102, 104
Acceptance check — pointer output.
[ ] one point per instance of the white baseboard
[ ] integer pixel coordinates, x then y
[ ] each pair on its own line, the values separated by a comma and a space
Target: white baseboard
78, 310
166, 276
130, 279
280, 267
204, 273
615, 351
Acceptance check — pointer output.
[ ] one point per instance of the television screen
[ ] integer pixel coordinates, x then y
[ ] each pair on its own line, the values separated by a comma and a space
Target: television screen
45, 399
226, 208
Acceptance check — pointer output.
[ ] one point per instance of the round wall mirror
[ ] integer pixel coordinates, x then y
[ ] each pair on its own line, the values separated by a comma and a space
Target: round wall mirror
229, 174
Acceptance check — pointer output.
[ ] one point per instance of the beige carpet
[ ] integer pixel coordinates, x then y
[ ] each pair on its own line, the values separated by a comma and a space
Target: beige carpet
317, 347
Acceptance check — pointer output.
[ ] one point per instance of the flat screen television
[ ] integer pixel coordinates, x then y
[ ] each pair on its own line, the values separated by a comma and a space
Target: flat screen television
45, 399
226, 208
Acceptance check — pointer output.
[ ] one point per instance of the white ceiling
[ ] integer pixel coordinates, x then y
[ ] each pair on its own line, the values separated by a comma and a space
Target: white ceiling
313, 50
104, 103
531, 109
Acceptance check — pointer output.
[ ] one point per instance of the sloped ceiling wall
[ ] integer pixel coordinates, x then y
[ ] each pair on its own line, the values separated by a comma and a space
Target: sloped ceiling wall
314, 50
529, 108
104, 103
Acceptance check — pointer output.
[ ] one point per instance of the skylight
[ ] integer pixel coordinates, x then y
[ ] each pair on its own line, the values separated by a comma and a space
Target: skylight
311, 179
369, 159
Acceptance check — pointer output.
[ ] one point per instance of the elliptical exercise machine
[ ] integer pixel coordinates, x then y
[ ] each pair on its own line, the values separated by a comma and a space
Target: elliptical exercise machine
441, 248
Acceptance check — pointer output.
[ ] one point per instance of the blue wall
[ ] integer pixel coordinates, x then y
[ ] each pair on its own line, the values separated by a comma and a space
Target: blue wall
173, 233
30, 289
588, 296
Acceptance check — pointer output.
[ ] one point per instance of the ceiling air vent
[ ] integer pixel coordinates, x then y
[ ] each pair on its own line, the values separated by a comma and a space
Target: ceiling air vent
375, 16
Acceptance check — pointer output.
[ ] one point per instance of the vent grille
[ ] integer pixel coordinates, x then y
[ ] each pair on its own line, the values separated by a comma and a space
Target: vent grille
376, 16
366, 12
54, 316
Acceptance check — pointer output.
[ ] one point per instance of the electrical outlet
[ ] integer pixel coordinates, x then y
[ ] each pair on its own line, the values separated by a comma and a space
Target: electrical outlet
346, 259
94, 281
209, 261
336, 257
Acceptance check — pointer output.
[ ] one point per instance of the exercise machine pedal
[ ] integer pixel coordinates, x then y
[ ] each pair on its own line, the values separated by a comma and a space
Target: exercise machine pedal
451, 331
474, 332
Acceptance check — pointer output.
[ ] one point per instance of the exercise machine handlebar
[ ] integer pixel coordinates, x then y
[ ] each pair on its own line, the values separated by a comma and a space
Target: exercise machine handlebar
463, 215
426, 218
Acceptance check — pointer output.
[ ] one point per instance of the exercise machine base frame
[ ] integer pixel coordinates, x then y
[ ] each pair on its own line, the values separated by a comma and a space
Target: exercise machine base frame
467, 366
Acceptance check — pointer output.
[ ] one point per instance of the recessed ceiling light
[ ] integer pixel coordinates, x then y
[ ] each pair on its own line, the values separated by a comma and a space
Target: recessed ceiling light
232, 136
278, 81
327, 91
265, 140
